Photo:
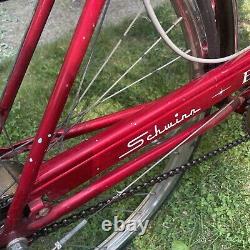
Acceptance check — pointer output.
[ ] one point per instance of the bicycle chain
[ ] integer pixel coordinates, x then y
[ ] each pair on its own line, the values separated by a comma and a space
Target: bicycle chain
132, 191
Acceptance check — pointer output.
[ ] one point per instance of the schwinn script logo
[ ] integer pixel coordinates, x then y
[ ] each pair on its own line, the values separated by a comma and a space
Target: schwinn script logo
147, 136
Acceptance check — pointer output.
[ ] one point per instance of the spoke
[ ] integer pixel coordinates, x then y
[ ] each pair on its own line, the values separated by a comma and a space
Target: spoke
174, 149
16, 150
11, 145
78, 99
59, 244
144, 77
111, 54
99, 100
85, 69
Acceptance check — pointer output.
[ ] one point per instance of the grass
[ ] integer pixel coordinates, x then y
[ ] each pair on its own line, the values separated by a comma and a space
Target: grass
210, 209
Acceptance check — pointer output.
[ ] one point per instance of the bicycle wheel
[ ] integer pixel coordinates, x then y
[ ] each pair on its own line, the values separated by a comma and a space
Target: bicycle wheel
199, 31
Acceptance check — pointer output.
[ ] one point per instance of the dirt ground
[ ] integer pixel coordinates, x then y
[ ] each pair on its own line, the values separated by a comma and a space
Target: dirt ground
15, 16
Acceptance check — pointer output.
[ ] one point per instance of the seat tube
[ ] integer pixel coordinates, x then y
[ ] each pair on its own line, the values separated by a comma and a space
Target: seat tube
75, 54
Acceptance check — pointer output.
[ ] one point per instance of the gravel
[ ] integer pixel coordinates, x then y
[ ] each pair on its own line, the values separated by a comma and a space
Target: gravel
15, 15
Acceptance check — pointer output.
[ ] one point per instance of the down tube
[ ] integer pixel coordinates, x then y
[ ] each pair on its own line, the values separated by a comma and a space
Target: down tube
67, 75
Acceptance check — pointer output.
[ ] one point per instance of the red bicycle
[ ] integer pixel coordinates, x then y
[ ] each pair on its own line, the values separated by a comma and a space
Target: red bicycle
70, 168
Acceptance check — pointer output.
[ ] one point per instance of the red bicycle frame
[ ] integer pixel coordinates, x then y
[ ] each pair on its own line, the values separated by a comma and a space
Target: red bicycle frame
126, 131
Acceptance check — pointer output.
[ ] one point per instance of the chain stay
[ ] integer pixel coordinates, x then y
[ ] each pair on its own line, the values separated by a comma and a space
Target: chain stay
132, 191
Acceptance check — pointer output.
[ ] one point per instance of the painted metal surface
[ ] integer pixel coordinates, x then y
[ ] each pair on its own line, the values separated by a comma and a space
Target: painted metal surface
128, 169
89, 158
150, 122
72, 62
127, 132
76, 130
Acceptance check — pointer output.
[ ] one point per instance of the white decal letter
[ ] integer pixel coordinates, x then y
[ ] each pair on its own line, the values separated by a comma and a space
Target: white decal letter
246, 76
134, 144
